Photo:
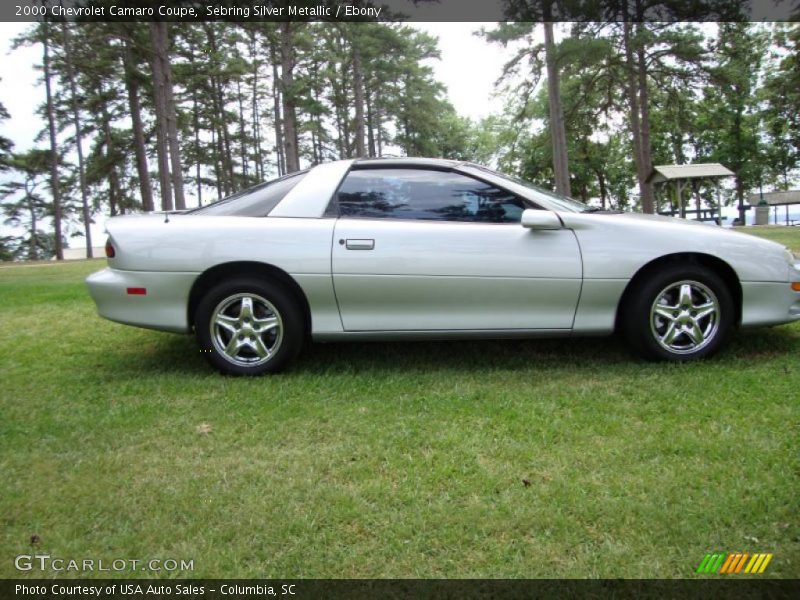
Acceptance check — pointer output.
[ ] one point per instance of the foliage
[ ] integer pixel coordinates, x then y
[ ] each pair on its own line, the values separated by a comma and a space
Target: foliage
5, 144
25, 206
781, 115
721, 98
729, 123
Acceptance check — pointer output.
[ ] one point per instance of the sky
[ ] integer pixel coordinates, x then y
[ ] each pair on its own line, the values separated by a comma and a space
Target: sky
19, 90
468, 67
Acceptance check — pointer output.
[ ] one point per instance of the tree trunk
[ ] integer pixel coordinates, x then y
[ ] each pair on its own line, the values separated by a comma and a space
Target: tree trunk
218, 140
379, 124
740, 200
340, 85
276, 106
196, 127
290, 139
557, 128
633, 106
114, 188
33, 243
648, 203
227, 162
318, 131
76, 121
139, 148
258, 161
370, 125
409, 146
341, 131
217, 167
222, 146
162, 54
242, 130
51, 126
358, 84
162, 132
601, 182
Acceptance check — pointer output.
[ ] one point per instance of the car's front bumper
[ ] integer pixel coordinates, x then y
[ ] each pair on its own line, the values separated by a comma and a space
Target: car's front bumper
154, 300
769, 303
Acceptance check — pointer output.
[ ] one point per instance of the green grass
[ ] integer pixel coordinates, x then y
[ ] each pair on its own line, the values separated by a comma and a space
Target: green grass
388, 460
788, 236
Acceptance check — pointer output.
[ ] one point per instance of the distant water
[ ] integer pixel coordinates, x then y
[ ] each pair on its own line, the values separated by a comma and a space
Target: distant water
777, 215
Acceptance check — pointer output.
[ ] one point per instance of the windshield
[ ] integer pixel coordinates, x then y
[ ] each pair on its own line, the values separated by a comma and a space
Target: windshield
257, 201
545, 198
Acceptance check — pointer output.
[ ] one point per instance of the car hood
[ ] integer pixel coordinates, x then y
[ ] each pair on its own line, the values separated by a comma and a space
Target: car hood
670, 225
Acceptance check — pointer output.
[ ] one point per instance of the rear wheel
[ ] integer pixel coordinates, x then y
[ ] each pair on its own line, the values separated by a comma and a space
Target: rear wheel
684, 312
249, 327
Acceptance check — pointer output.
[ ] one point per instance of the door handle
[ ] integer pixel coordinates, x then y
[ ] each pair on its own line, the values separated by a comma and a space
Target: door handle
360, 244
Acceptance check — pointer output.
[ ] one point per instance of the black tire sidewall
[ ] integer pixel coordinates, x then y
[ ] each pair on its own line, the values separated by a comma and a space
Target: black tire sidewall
636, 325
283, 301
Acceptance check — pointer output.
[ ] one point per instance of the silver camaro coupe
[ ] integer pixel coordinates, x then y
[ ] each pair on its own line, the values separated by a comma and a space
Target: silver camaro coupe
389, 249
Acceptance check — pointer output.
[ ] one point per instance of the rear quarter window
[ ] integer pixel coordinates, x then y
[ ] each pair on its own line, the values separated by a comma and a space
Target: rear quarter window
257, 201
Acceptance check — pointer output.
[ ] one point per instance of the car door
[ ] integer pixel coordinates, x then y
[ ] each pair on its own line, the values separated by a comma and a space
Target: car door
426, 250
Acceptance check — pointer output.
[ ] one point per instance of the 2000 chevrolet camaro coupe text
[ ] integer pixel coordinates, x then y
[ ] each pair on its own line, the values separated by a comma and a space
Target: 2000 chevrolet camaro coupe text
432, 249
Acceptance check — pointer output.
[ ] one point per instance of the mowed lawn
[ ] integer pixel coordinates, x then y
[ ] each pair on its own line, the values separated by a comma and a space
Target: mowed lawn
484, 459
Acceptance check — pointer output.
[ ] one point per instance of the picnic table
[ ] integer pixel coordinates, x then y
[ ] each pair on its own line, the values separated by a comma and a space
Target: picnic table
702, 214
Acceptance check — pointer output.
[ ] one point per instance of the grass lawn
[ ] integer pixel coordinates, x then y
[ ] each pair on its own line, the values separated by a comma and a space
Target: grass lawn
482, 459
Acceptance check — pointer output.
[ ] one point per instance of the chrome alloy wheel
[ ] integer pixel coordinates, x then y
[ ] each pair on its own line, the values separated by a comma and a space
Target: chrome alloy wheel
685, 317
246, 329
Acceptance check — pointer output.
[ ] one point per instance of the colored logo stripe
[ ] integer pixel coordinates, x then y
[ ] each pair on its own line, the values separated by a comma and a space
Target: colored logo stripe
734, 563
711, 563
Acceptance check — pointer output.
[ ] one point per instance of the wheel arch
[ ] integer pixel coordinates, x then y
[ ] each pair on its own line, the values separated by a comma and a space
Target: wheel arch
231, 270
715, 264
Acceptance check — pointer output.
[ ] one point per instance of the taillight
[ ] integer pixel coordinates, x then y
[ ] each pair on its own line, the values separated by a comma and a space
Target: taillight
110, 252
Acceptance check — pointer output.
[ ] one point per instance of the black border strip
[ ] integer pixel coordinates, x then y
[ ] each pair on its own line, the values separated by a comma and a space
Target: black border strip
740, 588
402, 10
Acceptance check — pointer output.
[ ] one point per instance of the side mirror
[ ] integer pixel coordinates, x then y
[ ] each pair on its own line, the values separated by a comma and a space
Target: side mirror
540, 219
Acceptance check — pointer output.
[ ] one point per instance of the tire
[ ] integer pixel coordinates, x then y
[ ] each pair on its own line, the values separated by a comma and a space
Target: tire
681, 313
249, 327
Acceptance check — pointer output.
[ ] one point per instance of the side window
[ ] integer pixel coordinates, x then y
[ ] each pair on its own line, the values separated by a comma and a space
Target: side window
428, 195
256, 201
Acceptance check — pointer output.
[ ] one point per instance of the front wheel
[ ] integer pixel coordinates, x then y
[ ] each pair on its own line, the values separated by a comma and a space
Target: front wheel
681, 313
248, 327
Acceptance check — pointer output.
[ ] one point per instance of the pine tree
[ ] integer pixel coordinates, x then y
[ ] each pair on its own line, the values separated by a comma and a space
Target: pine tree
76, 120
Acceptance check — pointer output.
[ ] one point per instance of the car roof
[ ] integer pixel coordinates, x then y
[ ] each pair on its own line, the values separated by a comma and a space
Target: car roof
405, 161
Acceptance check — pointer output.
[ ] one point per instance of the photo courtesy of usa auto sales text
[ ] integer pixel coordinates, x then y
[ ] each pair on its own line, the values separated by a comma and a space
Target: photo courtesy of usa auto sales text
168, 589
96, 591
